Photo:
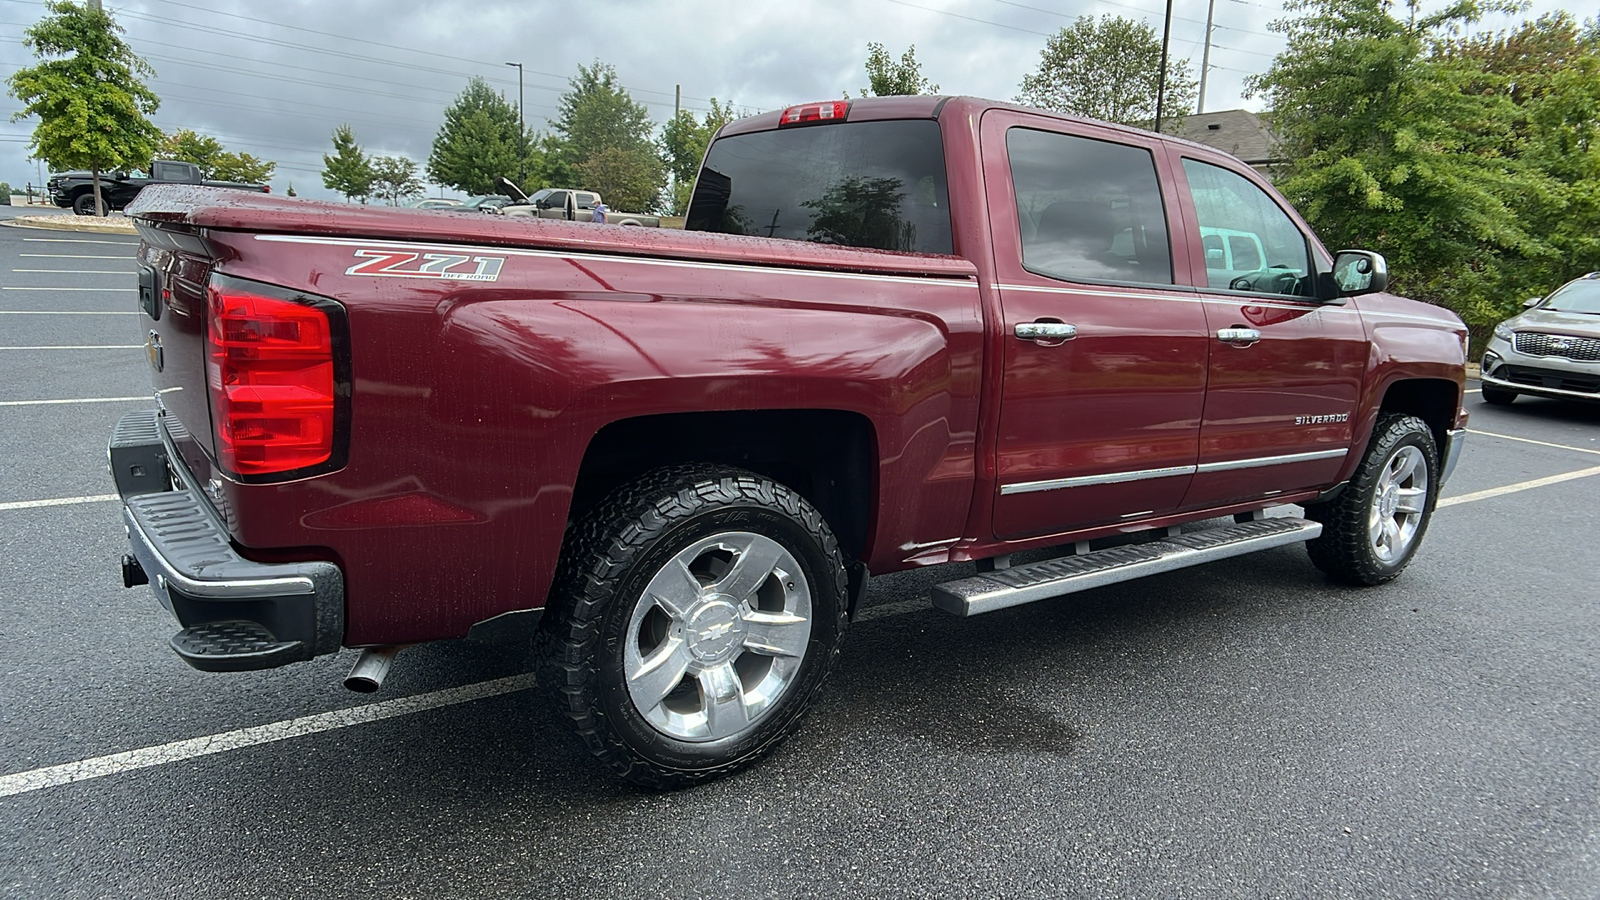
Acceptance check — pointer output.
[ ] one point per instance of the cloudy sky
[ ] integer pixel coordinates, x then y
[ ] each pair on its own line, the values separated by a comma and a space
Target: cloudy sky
275, 79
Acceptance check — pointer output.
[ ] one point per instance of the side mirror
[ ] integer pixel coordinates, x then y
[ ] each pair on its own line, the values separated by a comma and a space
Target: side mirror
1531, 302
1359, 272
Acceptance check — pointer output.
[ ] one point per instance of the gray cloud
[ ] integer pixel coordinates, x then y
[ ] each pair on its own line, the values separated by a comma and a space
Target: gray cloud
275, 79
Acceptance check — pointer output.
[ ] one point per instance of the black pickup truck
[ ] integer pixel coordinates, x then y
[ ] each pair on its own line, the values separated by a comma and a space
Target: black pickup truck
75, 190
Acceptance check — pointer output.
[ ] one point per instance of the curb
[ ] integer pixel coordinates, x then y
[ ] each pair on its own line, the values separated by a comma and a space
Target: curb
66, 222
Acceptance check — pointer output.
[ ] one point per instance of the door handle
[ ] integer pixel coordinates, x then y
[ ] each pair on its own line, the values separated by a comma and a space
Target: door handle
1046, 331
1239, 337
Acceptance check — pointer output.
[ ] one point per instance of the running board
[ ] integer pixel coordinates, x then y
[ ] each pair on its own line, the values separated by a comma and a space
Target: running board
1055, 577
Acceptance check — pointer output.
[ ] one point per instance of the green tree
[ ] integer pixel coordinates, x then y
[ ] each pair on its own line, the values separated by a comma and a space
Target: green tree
214, 160
683, 145
88, 92
598, 114
1109, 69
242, 167
887, 78
479, 140
1397, 146
394, 178
189, 146
1549, 69
627, 179
348, 170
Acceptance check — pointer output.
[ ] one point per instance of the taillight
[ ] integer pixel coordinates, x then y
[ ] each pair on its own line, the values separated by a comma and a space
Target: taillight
806, 113
271, 372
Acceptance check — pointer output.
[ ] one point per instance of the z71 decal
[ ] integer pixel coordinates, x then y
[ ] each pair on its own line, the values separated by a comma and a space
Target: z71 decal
409, 264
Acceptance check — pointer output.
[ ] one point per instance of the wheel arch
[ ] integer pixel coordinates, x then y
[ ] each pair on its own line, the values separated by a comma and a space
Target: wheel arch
1433, 400
824, 455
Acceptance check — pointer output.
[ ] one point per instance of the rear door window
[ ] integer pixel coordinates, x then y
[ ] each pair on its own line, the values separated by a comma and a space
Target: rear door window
879, 185
1088, 210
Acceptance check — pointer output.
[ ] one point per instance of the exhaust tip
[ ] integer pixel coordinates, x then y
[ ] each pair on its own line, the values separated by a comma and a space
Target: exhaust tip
367, 675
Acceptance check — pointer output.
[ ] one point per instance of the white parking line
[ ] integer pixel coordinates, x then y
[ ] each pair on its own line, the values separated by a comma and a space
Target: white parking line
192, 748
67, 312
79, 290
1507, 437
59, 501
67, 256
79, 271
61, 402
77, 241
116, 763
82, 347
1520, 486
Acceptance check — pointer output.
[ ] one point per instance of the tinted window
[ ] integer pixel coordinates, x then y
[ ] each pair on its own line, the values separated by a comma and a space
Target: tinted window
1251, 244
860, 184
1088, 210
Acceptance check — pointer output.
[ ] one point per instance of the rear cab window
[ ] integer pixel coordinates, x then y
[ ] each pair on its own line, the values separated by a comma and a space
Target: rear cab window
875, 184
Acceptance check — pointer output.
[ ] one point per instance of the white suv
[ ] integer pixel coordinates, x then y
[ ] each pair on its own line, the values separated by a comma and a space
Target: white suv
1551, 350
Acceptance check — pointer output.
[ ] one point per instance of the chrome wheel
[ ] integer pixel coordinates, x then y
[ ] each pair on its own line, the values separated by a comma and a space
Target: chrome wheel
1399, 503
718, 636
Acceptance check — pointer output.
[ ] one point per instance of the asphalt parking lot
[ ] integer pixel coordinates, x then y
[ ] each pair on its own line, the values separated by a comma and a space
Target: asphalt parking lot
1244, 729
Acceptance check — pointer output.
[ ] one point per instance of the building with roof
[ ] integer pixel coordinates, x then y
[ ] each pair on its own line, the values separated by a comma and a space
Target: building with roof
1240, 132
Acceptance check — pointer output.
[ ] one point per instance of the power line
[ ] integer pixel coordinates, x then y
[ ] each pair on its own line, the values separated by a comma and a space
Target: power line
1147, 12
341, 37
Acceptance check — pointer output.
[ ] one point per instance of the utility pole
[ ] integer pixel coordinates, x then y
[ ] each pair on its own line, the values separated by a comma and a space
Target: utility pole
1205, 58
522, 132
677, 99
1161, 81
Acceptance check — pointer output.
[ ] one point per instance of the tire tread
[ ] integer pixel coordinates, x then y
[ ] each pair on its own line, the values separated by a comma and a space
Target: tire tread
1341, 551
598, 549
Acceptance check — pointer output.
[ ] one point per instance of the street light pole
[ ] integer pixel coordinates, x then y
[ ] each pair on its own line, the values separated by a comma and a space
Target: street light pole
522, 131
1161, 79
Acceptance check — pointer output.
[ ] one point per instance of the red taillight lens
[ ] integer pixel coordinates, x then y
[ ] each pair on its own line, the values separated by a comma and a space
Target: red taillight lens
270, 369
827, 111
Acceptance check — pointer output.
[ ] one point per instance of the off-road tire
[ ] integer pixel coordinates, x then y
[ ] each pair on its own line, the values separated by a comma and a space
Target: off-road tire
1346, 551
608, 561
1498, 396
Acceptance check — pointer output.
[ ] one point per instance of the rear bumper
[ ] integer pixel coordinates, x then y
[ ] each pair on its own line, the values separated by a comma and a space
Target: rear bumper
236, 613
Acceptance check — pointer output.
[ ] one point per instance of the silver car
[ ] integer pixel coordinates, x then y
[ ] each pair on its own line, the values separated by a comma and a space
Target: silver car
1551, 350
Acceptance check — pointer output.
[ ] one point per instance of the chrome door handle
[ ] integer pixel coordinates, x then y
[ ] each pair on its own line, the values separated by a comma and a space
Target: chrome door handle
1046, 331
1239, 337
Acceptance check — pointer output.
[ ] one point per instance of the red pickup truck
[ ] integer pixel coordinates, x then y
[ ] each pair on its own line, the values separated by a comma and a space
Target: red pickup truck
898, 332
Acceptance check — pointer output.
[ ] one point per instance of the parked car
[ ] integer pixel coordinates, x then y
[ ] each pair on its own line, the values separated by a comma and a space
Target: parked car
899, 332
75, 190
489, 203
433, 203
1550, 350
567, 203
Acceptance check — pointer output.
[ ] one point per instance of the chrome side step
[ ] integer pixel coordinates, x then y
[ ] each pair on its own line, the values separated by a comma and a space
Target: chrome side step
1055, 577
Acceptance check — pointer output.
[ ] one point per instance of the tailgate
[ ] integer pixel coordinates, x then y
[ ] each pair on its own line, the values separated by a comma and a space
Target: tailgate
172, 307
